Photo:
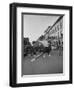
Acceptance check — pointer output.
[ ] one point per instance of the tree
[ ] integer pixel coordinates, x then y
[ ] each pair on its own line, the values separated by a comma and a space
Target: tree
41, 37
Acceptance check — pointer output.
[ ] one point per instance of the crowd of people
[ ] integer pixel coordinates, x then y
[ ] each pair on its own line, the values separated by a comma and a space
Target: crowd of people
40, 46
36, 47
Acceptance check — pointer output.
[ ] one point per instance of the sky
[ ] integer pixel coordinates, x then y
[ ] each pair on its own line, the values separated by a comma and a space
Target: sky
35, 25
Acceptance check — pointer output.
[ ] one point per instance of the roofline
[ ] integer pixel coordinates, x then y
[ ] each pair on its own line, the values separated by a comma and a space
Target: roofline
55, 23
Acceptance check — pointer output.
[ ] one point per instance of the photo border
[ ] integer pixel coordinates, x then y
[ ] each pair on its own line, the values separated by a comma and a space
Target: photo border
22, 35
13, 44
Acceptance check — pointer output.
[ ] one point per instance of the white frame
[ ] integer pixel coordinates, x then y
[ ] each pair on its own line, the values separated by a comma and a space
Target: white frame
49, 77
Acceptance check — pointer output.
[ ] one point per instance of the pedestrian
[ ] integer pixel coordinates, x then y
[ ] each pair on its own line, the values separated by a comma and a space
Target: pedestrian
59, 47
46, 47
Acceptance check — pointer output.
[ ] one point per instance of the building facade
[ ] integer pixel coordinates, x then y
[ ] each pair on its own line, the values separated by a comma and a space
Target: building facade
55, 32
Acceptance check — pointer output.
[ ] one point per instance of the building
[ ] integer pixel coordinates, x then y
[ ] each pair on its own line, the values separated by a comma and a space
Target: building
55, 32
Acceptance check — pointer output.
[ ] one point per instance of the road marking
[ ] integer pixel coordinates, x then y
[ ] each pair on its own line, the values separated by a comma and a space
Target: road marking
36, 57
49, 55
33, 60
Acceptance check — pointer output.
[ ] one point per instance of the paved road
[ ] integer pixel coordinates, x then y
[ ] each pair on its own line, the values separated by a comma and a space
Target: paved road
48, 65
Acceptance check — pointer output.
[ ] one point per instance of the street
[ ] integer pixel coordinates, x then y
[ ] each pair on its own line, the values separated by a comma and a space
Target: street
43, 65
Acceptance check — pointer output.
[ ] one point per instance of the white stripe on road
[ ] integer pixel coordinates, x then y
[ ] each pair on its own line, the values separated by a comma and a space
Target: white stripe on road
36, 57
